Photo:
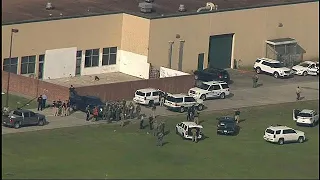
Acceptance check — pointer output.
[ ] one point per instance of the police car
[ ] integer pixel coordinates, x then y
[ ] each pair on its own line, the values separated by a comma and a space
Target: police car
181, 102
147, 96
306, 68
282, 134
305, 117
211, 89
184, 130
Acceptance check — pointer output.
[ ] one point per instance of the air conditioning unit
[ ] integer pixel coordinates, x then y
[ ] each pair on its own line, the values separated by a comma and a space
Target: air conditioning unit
49, 6
145, 7
182, 8
149, 1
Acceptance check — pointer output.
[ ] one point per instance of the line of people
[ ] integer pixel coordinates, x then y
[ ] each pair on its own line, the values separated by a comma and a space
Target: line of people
61, 108
156, 128
193, 114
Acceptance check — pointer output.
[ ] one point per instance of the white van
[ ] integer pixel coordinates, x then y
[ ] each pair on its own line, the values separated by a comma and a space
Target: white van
148, 96
184, 130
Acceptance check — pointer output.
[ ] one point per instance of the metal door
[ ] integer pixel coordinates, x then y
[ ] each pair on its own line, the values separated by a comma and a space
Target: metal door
78, 66
220, 51
200, 61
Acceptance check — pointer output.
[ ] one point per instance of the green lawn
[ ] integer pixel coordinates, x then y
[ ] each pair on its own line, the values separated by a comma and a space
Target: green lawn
18, 101
100, 152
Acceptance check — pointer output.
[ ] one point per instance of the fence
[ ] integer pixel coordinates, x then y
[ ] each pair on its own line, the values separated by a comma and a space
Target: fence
126, 90
33, 87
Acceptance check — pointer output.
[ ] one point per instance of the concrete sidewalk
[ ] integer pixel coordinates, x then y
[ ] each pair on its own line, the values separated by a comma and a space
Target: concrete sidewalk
240, 98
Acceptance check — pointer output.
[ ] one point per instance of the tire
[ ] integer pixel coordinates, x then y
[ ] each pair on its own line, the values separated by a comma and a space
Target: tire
41, 122
276, 75
196, 77
258, 70
181, 110
203, 97
300, 139
281, 141
177, 131
16, 125
200, 107
222, 96
305, 73
151, 103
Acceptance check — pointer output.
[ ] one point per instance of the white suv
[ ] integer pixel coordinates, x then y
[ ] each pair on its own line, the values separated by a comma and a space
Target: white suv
211, 89
184, 130
306, 68
181, 102
272, 67
305, 117
282, 134
148, 96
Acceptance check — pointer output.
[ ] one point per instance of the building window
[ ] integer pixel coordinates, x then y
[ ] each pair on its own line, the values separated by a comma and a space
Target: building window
78, 62
109, 56
91, 58
41, 62
28, 64
10, 65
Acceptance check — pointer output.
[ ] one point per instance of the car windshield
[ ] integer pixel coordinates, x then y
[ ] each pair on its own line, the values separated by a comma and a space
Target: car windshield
139, 93
269, 131
18, 113
304, 64
173, 99
276, 65
203, 86
304, 115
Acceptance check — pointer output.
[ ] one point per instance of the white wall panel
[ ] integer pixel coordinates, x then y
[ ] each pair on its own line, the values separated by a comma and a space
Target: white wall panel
134, 64
166, 72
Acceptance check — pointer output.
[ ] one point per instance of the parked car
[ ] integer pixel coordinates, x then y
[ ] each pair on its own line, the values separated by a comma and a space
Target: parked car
211, 89
19, 118
283, 134
306, 68
305, 117
181, 102
272, 67
148, 96
227, 126
184, 130
212, 74
81, 102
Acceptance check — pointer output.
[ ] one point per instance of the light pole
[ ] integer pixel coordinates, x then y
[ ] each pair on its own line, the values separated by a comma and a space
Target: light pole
10, 54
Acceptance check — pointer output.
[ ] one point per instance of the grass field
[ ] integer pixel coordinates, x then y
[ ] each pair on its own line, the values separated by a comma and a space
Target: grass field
18, 101
99, 152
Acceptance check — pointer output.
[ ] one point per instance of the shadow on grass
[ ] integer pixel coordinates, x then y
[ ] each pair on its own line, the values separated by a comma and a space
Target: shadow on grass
165, 143
259, 85
242, 120
167, 132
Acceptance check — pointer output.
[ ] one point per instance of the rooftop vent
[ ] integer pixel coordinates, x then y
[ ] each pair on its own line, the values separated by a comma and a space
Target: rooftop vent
145, 7
209, 7
49, 6
182, 8
149, 1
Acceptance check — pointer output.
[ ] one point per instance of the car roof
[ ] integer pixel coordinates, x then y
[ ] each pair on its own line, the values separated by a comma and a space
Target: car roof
307, 111
226, 119
179, 95
275, 128
22, 110
145, 90
214, 82
192, 124
269, 60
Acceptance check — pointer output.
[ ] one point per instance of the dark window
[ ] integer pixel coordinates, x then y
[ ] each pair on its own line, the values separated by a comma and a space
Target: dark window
91, 58
278, 132
269, 131
26, 114
109, 56
216, 87
10, 65
18, 113
175, 100
139, 93
155, 94
149, 94
41, 58
312, 66
28, 64
211, 88
265, 63
258, 60
224, 86
189, 99
40, 69
32, 114
289, 131
79, 54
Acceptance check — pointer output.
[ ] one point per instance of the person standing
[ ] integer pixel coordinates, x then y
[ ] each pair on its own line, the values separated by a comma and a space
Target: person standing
150, 123
68, 107
160, 139
298, 93
196, 117
95, 113
161, 99
194, 135
40, 103
72, 90
54, 108
44, 101
237, 115
189, 113
87, 113
138, 110
154, 111
255, 80
141, 121
64, 109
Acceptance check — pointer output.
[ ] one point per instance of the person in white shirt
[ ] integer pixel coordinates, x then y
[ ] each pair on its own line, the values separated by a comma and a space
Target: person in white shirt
44, 100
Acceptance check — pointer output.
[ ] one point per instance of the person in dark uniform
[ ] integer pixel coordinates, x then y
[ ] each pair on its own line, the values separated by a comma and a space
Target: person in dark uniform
150, 123
87, 113
68, 107
160, 138
141, 121
40, 103
59, 106
298, 93
237, 115
138, 110
154, 111
54, 109
255, 80
72, 90
189, 114
64, 109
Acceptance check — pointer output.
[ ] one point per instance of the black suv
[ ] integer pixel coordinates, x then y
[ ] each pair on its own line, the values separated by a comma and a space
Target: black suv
78, 102
212, 74
227, 125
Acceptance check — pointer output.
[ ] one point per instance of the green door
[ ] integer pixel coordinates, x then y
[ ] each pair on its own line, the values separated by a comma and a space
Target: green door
200, 61
220, 50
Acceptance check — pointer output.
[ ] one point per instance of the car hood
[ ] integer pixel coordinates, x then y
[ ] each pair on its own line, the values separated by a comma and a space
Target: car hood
284, 69
297, 67
198, 90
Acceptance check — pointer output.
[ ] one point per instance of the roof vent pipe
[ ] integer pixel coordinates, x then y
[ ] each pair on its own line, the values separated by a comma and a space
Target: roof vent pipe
209, 7
49, 6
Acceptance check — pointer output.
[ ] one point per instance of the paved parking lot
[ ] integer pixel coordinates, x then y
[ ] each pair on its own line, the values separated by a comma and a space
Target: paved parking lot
273, 91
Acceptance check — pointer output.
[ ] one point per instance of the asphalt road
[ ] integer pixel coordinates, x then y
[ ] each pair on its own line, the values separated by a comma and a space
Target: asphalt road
273, 91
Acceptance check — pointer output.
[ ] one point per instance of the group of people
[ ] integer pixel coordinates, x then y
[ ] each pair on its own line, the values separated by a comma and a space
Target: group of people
114, 111
193, 114
42, 100
155, 127
61, 108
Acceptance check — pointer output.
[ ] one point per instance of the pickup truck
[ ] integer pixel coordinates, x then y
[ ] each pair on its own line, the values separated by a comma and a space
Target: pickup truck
19, 118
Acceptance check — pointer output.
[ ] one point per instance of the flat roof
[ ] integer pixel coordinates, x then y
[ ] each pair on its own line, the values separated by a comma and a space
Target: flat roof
23, 11
281, 41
